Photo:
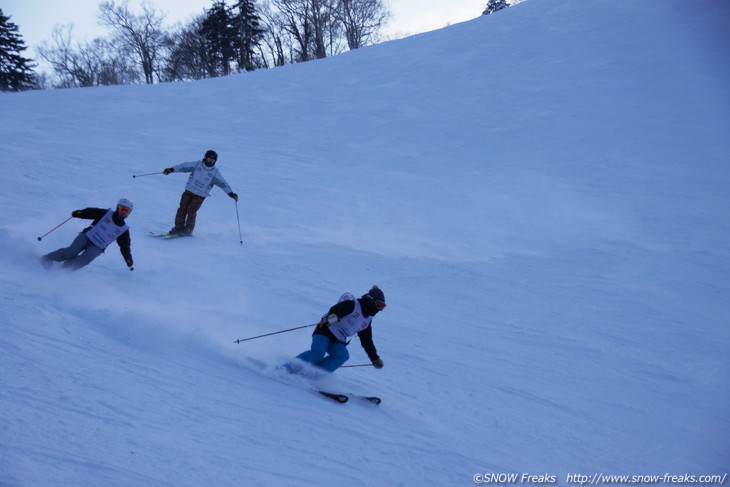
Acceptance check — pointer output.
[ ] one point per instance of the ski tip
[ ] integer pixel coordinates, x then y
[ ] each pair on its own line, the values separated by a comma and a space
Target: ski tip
169, 236
341, 398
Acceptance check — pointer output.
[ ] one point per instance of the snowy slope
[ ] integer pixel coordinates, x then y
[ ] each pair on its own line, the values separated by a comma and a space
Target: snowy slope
542, 194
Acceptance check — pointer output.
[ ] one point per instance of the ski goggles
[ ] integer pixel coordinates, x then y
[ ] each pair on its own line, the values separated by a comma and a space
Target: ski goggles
378, 303
124, 210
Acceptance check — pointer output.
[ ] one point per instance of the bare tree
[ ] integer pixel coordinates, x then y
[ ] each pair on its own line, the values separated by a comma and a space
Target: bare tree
312, 26
62, 58
141, 34
295, 19
302, 30
325, 28
90, 64
361, 20
277, 42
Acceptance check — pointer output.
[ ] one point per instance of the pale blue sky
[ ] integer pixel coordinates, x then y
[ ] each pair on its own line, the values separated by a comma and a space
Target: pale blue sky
36, 18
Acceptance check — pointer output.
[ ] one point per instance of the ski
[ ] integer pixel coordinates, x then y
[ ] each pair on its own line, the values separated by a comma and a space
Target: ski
169, 235
343, 398
372, 399
340, 398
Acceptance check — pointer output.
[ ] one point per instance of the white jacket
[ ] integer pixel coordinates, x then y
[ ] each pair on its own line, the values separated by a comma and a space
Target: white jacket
202, 178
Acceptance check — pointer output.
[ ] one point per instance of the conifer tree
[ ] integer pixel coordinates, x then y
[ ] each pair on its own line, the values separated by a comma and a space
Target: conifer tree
249, 31
16, 72
188, 58
495, 6
220, 35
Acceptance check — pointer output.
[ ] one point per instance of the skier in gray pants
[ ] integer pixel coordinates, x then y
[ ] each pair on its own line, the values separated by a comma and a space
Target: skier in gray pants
109, 225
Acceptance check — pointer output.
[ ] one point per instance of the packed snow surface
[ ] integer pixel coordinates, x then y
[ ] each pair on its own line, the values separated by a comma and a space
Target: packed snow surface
542, 194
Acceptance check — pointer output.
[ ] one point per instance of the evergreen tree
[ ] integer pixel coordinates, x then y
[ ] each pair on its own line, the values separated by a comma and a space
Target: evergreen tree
16, 72
249, 31
188, 59
495, 6
220, 35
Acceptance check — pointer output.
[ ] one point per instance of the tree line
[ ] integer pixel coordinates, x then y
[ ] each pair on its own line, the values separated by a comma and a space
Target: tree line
242, 35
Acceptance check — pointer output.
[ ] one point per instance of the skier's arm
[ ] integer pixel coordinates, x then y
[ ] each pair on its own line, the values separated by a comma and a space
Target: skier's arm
125, 247
221, 182
89, 213
183, 167
336, 312
366, 340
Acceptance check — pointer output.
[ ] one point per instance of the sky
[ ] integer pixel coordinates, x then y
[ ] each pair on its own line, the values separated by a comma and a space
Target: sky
36, 18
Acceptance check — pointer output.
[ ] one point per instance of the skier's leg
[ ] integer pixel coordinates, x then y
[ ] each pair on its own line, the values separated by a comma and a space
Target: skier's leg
195, 203
338, 355
317, 351
182, 211
84, 258
79, 243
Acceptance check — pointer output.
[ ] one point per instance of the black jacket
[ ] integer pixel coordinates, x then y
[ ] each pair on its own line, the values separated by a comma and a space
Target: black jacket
124, 240
344, 308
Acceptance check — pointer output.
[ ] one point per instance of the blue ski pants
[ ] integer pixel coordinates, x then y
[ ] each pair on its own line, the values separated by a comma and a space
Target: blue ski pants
336, 353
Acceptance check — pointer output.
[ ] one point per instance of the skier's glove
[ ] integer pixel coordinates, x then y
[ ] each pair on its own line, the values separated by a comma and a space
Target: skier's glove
233, 195
378, 363
168, 171
328, 320
76, 214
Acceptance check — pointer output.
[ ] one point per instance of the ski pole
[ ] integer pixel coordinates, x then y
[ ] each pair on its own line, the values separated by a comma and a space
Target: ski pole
143, 175
240, 237
54, 228
274, 333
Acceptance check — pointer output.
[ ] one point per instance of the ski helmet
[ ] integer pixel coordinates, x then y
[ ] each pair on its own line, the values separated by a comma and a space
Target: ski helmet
376, 296
124, 207
211, 153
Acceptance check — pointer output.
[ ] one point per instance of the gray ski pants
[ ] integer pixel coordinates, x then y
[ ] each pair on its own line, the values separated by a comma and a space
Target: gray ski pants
80, 253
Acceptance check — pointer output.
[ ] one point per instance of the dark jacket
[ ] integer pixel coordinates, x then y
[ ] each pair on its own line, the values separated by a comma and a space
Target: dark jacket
344, 308
124, 240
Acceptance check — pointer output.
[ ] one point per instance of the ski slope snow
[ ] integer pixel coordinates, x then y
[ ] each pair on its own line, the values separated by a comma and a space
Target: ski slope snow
541, 193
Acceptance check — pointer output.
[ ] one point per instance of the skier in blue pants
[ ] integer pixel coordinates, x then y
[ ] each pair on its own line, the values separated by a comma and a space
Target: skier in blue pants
347, 318
335, 351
